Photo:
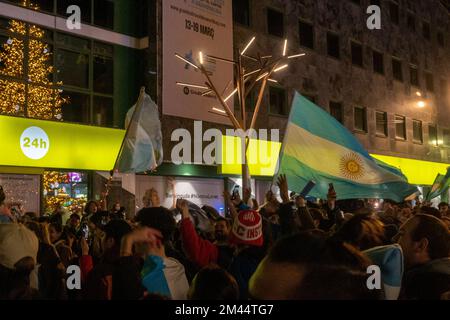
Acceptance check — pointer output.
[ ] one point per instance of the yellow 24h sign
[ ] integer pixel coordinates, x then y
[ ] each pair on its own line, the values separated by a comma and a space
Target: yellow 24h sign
49, 144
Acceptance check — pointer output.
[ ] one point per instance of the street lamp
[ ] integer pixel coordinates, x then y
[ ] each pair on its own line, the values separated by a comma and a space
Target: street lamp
245, 80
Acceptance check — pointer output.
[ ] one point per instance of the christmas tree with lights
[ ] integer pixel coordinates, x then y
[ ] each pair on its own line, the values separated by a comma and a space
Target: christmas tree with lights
25, 88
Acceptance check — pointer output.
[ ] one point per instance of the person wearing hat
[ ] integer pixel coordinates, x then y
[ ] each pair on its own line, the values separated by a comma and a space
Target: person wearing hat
246, 237
18, 258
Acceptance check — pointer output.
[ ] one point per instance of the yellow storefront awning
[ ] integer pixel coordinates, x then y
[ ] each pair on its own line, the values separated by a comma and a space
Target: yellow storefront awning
263, 156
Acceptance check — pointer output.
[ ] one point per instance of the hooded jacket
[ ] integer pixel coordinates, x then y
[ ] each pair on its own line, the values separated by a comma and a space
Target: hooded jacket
429, 281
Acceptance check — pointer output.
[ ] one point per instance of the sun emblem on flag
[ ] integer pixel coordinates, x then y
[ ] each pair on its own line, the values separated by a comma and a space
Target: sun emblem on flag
351, 166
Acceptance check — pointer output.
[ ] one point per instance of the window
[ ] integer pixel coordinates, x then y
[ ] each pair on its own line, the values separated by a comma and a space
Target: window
394, 13
103, 111
446, 136
400, 127
397, 69
241, 12
358, 2
277, 98
73, 68
336, 111
357, 54
360, 117
414, 75
417, 131
44, 5
440, 39
432, 135
77, 109
430, 81
85, 6
378, 62
333, 48
103, 68
275, 23
426, 32
381, 123
411, 22
306, 32
104, 13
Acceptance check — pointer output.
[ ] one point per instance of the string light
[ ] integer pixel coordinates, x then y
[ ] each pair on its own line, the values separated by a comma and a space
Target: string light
43, 100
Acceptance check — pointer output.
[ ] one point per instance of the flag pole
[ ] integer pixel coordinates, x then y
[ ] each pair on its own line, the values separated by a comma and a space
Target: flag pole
141, 96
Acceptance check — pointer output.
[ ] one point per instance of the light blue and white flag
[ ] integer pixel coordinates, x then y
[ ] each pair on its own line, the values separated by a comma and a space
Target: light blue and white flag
317, 147
142, 149
390, 261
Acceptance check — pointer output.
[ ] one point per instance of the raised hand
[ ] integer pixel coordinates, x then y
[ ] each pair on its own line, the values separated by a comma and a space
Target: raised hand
284, 190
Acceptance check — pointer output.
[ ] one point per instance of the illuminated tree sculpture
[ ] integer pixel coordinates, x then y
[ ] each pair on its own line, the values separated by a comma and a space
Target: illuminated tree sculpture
25, 70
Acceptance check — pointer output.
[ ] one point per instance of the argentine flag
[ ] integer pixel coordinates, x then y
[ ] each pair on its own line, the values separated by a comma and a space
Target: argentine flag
142, 146
317, 147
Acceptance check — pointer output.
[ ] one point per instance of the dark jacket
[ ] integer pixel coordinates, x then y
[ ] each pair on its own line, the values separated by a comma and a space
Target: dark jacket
51, 279
244, 265
429, 281
293, 221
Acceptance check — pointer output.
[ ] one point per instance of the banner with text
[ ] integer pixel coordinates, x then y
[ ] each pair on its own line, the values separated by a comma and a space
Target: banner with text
190, 27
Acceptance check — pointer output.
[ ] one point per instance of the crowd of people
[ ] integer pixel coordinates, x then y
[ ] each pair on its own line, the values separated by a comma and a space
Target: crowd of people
283, 249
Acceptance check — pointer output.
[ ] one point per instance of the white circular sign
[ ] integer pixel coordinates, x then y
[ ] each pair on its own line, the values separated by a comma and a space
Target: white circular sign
34, 143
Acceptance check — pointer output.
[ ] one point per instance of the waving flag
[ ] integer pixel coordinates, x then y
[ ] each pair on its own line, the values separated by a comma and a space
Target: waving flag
440, 186
317, 147
142, 147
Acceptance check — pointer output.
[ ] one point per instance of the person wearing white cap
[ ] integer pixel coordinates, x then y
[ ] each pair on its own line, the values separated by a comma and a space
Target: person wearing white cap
18, 255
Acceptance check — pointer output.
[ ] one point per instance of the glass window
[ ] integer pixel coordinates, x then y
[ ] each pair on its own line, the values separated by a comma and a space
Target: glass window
72, 68
432, 135
394, 12
277, 98
44, 5
103, 75
446, 135
275, 23
333, 47
77, 109
71, 42
336, 111
400, 127
103, 112
358, 2
357, 54
414, 76
378, 62
360, 117
241, 12
430, 81
85, 7
397, 69
381, 123
426, 31
104, 13
417, 131
306, 32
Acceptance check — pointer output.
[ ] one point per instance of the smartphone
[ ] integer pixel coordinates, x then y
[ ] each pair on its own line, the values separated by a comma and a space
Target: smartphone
307, 189
235, 193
